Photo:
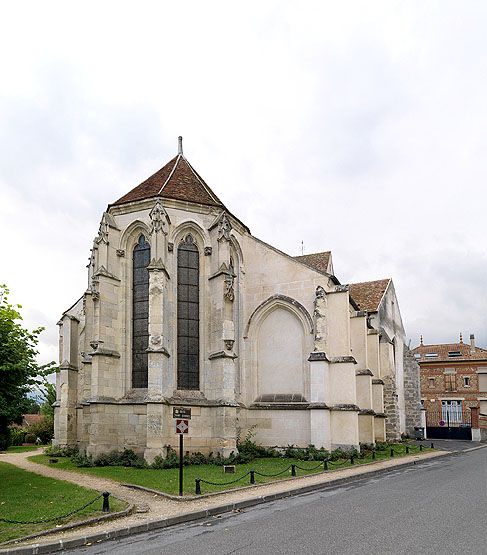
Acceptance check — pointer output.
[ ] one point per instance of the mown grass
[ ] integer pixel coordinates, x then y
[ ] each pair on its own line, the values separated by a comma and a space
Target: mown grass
26, 496
167, 480
23, 448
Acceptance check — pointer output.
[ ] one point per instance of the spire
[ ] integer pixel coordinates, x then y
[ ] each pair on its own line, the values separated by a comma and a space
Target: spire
421, 339
180, 145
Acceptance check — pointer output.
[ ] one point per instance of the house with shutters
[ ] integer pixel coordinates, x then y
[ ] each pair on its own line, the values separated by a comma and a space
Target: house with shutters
454, 388
184, 307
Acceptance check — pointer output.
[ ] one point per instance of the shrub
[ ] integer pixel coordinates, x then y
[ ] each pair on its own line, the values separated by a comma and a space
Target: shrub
58, 451
82, 460
127, 458
30, 438
44, 430
171, 460
17, 436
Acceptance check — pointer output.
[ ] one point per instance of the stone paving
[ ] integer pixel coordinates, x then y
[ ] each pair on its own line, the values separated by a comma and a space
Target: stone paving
154, 507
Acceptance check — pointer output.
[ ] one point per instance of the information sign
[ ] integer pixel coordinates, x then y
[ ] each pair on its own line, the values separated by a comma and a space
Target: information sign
181, 412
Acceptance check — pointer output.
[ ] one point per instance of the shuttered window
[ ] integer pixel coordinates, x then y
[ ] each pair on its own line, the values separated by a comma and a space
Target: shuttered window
140, 313
188, 315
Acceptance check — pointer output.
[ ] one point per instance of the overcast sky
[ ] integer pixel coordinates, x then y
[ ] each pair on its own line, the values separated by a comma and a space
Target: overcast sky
356, 127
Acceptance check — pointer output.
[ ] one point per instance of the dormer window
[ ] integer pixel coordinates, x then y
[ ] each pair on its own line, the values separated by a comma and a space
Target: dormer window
454, 354
431, 355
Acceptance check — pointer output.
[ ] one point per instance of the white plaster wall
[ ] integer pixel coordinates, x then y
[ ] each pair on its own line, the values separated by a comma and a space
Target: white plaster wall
280, 358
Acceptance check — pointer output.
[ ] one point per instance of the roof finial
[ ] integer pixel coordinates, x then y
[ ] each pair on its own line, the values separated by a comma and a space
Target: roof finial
180, 145
421, 339
461, 337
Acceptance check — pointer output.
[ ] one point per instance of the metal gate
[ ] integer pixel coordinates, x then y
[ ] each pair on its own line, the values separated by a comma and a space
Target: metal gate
449, 423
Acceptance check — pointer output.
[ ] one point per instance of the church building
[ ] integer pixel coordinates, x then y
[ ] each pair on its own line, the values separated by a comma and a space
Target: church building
186, 308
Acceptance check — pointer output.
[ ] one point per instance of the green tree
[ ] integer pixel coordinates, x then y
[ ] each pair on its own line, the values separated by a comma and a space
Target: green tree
19, 370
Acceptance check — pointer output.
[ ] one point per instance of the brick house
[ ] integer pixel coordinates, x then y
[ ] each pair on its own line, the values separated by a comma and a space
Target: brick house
453, 386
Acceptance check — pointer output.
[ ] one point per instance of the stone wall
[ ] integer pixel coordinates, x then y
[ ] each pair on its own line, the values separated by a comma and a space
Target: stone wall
391, 409
412, 392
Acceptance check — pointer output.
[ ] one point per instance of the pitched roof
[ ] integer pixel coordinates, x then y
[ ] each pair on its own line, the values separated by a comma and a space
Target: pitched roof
319, 260
177, 180
368, 294
442, 350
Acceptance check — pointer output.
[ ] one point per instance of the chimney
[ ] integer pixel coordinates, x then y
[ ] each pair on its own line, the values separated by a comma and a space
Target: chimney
472, 343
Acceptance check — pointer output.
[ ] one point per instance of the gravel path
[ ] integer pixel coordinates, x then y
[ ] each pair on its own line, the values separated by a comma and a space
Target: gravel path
154, 507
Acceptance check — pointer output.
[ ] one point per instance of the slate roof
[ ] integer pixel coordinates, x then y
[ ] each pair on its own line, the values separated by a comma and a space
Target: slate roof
176, 180
368, 294
442, 350
318, 260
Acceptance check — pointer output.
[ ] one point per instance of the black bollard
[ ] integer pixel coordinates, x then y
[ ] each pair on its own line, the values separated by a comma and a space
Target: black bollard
252, 476
392, 452
407, 449
325, 464
352, 461
432, 445
373, 454
106, 503
293, 470
420, 446
198, 486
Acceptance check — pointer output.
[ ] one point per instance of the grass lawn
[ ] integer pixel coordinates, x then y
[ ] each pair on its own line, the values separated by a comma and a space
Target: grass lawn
23, 448
27, 497
167, 480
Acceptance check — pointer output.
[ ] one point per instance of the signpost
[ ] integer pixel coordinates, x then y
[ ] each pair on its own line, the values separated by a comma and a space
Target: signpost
182, 415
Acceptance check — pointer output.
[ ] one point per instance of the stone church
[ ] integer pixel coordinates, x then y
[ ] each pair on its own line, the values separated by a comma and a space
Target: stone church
186, 308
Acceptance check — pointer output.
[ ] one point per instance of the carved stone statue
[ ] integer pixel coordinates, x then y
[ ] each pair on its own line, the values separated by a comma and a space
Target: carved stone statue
159, 219
321, 326
224, 228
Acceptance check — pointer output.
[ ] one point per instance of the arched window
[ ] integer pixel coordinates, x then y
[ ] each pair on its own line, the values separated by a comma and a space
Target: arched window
140, 313
188, 315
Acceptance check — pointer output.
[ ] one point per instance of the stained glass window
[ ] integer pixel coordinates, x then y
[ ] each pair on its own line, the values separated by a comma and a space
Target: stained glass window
140, 313
188, 315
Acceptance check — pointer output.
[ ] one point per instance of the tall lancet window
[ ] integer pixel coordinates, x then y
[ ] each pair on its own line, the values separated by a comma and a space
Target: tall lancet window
140, 313
188, 315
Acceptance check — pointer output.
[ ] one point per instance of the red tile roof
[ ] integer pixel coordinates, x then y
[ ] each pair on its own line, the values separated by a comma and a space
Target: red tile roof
442, 350
319, 260
368, 294
176, 180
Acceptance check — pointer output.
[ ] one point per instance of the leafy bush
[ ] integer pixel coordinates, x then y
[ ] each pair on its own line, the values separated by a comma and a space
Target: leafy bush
127, 458
310, 453
30, 438
44, 430
17, 436
81, 460
171, 460
58, 451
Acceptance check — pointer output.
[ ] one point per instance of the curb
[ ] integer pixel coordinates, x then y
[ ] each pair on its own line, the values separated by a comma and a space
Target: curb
95, 520
39, 549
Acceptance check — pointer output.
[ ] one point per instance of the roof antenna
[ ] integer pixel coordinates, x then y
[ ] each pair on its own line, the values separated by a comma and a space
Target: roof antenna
180, 145
302, 248
461, 337
421, 339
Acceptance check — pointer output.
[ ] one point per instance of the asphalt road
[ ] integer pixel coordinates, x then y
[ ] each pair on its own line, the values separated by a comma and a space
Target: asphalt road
438, 506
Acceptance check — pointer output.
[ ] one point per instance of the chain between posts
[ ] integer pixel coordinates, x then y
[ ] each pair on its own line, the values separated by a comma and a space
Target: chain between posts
105, 508
325, 463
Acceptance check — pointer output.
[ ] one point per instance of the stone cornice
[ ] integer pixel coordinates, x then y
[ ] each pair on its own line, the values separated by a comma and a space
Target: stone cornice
346, 407
343, 360
161, 351
102, 271
66, 366
364, 372
377, 381
318, 355
105, 352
